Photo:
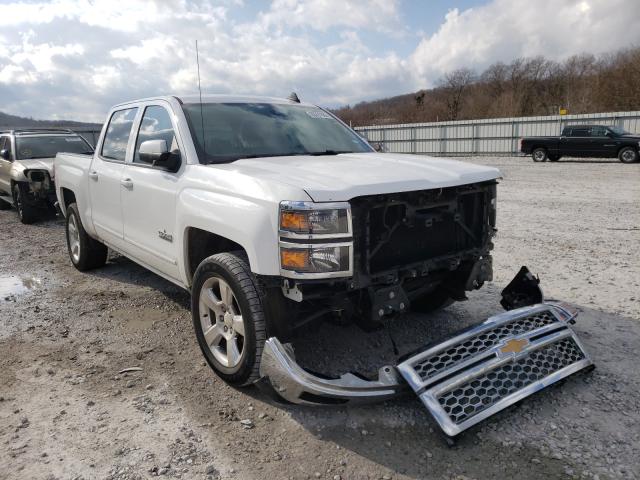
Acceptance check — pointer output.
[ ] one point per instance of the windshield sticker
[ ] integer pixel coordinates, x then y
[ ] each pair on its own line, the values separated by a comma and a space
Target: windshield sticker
318, 114
73, 139
26, 153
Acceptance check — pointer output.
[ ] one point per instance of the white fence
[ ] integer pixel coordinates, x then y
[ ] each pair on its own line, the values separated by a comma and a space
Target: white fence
498, 136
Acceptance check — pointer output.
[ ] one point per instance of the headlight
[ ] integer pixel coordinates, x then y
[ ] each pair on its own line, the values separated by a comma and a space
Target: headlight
315, 240
308, 219
315, 258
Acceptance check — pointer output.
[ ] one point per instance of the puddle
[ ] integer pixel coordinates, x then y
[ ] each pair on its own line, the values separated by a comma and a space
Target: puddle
12, 285
137, 320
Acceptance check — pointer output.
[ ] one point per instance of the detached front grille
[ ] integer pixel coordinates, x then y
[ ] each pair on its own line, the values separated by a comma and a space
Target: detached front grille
473, 397
495, 364
431, 365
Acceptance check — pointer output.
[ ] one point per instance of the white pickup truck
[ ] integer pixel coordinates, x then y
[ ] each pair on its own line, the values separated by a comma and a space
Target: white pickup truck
274, 213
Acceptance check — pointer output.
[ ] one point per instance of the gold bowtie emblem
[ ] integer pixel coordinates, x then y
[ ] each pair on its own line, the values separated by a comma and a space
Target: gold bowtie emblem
514, 346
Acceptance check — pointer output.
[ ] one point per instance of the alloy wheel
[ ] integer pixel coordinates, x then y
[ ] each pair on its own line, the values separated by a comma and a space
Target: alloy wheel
222, 323
74, 238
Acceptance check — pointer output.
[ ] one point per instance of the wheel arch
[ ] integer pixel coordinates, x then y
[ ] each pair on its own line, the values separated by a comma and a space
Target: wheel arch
200, 244
68, 197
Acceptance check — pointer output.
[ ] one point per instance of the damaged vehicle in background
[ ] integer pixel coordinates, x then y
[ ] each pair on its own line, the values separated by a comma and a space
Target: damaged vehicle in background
274, 214
26, 168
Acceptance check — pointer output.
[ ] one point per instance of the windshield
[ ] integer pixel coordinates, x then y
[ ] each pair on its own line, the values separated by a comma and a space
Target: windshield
47, 146
619, 131
249, 130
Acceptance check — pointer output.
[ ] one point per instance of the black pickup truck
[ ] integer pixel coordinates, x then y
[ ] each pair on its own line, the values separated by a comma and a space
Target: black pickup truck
584, 141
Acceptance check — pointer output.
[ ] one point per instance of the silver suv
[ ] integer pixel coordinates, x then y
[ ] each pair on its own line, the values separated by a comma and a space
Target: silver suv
26, 167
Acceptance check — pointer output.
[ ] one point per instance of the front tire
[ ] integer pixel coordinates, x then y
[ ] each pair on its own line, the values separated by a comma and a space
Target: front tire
228, 317
26, 212
628, 155
539, 155
85, 252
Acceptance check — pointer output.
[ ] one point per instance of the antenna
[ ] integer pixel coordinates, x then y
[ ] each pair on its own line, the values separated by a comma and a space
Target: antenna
204, 145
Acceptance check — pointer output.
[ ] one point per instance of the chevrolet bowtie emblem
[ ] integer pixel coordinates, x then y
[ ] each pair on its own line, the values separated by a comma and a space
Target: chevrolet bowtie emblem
514, 345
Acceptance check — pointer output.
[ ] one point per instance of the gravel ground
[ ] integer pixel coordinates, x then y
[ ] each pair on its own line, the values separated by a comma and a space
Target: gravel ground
67, 413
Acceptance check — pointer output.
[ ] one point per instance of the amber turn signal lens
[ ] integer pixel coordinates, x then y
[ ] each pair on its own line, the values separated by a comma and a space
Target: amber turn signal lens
294, 259
294, 221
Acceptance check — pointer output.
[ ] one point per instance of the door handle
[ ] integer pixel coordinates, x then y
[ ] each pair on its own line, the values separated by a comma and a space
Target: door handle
127, 183
93, 175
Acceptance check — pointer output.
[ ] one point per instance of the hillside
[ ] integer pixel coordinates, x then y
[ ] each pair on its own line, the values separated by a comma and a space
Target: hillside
524, 87
12, 121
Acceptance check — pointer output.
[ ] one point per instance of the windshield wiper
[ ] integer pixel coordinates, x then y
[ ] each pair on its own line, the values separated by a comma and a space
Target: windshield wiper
329, 152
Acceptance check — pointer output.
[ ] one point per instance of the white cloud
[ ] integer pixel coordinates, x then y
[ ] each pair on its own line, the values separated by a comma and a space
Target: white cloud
379, 15
74, 58
507, 29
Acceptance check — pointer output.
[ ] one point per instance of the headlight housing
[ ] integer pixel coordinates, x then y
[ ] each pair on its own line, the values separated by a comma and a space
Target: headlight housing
315, 240
315, 220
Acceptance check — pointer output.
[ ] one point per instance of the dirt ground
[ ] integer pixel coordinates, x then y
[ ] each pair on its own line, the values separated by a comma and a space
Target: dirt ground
67, 413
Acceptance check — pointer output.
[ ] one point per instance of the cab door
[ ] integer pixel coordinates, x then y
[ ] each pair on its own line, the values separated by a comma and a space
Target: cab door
149, 195
105, 177
577, 143
5, 166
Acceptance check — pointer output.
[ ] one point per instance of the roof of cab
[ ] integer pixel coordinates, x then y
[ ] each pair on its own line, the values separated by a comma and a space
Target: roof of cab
219, 99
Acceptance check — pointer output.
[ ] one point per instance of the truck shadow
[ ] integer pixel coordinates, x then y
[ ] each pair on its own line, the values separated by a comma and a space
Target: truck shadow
123, 270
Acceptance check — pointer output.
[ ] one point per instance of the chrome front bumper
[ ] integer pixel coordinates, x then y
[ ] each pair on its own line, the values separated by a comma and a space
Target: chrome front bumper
297, 385
461, 381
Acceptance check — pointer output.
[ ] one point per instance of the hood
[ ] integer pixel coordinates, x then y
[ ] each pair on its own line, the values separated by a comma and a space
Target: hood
35, 164
348, 175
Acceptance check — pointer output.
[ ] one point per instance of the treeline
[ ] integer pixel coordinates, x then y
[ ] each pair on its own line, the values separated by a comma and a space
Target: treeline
525, 87
13, 121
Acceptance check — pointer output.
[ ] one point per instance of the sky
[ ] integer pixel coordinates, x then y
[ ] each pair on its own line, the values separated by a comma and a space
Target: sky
74, 59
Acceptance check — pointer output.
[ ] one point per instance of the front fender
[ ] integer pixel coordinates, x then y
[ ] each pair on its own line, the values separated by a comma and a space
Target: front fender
250, 223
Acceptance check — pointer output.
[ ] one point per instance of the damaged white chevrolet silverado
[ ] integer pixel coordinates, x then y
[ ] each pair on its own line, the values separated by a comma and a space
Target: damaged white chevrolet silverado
274, 213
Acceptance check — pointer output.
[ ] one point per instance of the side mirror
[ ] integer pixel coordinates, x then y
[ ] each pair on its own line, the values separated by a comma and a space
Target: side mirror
4, 154
609, 133
157, 154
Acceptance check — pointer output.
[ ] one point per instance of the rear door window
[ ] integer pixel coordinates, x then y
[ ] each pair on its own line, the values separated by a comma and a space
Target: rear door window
580, 132
116, 139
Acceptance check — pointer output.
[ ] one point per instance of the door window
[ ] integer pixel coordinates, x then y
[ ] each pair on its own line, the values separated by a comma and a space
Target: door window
156, 125
580, 132
5, 144
598, 131
116, 139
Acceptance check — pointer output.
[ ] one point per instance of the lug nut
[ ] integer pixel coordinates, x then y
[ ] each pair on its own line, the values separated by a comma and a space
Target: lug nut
402, 306
381, 313
392, 295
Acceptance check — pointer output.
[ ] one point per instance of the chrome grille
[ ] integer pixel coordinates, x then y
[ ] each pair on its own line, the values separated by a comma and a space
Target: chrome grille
430, 366
485, 369
472, 397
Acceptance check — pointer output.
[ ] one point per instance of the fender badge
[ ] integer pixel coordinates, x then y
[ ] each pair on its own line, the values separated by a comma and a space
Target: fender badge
165, 236
514, 345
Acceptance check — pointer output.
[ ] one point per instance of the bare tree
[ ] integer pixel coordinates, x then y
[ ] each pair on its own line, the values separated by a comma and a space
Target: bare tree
453, 87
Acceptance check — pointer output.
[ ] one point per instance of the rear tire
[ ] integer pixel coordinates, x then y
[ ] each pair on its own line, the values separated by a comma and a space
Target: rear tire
539, 155
85, 252
26, 212
628, 155
228, 317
